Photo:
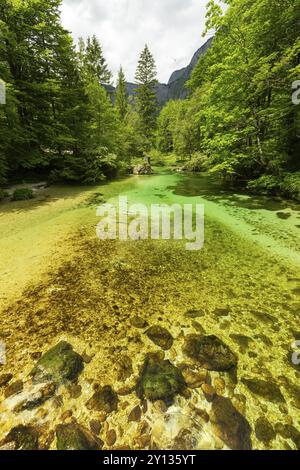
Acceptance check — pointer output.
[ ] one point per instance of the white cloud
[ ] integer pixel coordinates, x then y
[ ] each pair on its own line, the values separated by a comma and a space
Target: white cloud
171, 28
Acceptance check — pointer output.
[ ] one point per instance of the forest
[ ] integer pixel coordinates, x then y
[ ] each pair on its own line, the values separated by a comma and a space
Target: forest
239, 120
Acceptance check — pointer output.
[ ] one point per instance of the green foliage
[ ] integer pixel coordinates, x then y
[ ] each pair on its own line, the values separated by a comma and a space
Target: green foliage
121, 96
178, 127
248, 124
197, 163
92, 63
146, 95
22, 194
290, 185
266, 184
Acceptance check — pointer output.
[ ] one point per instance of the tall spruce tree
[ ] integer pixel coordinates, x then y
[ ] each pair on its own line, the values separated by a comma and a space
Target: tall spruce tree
92, 61
121, 102
146, 93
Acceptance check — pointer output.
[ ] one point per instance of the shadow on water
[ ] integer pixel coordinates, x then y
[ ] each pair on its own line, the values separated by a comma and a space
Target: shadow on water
210, 188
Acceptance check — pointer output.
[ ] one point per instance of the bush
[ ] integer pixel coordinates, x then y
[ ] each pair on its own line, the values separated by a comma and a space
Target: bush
290, 185
157, 158
2, 194
197, 163
22, 194
266, 185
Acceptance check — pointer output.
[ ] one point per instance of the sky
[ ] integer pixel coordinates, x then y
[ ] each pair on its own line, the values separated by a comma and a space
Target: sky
171, 28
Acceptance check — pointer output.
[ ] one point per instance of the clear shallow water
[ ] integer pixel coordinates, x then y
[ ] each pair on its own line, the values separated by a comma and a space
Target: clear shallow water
90, 291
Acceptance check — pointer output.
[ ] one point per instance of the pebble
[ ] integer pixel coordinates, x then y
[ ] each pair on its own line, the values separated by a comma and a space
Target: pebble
4, 379
74, 391
160, 406
219, 385
67, 414
14, 388
194, 379
209, 392
135, 414
95, 426
111, 437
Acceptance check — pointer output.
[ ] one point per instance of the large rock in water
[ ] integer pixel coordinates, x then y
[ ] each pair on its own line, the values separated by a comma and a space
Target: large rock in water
23, 437
58, 364
142, 169
75, 437
159, 380
229, 425
210, 352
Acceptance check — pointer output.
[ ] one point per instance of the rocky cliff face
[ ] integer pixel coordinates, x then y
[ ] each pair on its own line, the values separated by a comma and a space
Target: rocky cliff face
175, 88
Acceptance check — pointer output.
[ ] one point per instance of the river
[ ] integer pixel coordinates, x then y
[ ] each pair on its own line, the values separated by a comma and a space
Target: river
59, 282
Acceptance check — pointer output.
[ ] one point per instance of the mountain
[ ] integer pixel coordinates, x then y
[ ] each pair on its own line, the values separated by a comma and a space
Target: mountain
175, 88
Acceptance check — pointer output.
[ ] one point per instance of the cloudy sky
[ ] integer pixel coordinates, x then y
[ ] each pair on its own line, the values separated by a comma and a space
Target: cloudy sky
172, 29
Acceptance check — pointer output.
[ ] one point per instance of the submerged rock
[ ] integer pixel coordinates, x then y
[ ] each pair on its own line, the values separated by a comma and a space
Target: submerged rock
194, 314
159, 380
160, 336
268, 390
58, 364
210, 352
75, 437
138, 322
104, 399
29, 399
229, 425
4, 379
14, 388
264, 430
124, 366
135, 414
24, 438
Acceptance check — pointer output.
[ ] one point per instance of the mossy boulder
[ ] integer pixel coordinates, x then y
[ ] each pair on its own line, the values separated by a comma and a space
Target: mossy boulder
58, 364
104, 399
75, 437
270, 391
24, 438
160, 336
210, 352
229, 425
159, 380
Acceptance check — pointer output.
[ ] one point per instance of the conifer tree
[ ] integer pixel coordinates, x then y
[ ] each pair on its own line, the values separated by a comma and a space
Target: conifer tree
92, 60
146, 92
121, 96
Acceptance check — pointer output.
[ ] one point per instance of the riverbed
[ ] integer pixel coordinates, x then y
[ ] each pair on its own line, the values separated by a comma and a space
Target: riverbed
60, 282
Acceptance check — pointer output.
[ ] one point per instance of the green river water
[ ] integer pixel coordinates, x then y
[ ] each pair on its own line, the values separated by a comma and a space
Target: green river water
59, 282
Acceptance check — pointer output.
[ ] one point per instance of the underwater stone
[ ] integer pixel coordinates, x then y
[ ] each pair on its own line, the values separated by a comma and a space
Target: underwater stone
24, 437
4, 379
160, 336
135, 414
229, 425
159, 380
194, 314
14, 388
138, 322
58, 364
268, 390
75, 437
210, 352
104, 399
30, 399
264, 430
